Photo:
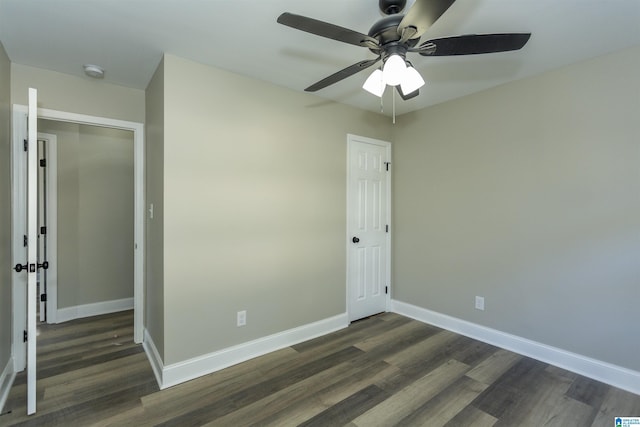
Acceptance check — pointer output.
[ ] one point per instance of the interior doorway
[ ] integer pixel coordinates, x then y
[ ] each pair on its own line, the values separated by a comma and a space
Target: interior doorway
19, 134
94, 220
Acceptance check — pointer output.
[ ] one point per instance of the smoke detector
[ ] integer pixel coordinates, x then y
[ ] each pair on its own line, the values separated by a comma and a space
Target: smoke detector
94, 71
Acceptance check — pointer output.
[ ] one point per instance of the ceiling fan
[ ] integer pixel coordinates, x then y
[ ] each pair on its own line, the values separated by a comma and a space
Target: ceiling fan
392, 37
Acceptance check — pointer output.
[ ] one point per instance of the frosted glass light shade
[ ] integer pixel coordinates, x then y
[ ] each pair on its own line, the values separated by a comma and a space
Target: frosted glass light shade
411, 81
375, 84
393, 70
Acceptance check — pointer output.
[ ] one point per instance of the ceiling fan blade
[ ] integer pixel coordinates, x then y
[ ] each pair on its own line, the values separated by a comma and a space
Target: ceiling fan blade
421, 16
408, 96
342, 74
325, 29
473, 44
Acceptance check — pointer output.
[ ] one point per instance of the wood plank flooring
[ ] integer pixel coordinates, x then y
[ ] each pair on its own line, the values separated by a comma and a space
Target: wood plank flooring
386, 370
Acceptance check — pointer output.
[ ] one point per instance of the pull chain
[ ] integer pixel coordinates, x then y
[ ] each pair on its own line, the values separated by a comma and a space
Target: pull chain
393, 94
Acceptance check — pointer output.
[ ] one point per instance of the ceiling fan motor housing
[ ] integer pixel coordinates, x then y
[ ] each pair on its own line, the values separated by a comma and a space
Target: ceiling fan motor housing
390, 7
386, 32
386, 29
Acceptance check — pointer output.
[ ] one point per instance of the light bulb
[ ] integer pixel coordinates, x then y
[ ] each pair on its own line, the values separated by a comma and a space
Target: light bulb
393, 70
374, 83
411, 81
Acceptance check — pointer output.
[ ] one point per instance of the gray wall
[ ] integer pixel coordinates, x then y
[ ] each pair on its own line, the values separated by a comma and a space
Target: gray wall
154, 169
526, 194
5, 209
73, 94
529, 195
95, 213
254, 207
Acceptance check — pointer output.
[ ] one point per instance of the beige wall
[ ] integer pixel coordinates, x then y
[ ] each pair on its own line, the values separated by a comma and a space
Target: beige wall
154, 248
526, 194
5, 209
529, 195
254, 207
95, 213
63, 92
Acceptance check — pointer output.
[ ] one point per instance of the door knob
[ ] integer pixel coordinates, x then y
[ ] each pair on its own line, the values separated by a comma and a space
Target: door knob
355, 240
19, 267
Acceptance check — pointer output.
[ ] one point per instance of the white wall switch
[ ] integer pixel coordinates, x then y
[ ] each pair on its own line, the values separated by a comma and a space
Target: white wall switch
479, 303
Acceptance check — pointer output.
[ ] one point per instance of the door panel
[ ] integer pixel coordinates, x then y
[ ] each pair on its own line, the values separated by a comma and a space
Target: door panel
32, 247
368, 218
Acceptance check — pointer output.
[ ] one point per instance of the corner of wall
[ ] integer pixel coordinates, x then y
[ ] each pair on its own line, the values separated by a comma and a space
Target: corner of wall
7, 377
6, 293
177, 373
608, 373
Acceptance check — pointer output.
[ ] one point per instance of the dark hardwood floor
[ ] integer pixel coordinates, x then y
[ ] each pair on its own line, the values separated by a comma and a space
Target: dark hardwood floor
382, 371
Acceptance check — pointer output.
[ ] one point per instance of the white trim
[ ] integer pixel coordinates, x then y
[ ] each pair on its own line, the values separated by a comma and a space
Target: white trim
153, 355
186, 370
351, 138
6, 381
139, 202
52, 224
608, 373
94, 309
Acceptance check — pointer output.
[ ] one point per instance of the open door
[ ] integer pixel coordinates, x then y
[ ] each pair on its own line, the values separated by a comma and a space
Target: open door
30, 266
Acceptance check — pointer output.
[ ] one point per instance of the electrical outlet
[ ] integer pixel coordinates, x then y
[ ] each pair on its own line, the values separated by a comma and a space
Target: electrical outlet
242, 318
479, 303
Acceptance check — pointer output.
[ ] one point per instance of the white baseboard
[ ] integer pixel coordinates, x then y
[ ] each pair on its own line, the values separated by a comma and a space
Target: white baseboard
95, 309
6, 381
608, 373
180, 372
154, 356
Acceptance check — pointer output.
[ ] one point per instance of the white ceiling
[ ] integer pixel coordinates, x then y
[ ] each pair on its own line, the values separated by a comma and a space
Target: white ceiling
128, 38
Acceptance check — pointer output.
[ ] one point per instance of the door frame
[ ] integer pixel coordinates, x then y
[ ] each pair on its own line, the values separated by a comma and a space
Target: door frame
352, 139
51, 200
19, 127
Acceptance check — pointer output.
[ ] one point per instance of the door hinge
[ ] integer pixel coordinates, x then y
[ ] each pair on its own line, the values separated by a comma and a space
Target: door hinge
386, 227
24, 336
386, 289
387, 164
43, 230
25, 240
43, 298
43, 163
26, 144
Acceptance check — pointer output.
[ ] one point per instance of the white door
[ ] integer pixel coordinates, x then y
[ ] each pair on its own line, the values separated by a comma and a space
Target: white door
368, 212
32, 246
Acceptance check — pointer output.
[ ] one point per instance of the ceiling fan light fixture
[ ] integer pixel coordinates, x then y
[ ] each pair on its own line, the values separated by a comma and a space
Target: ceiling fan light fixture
411, 81
375, 83
394, 70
